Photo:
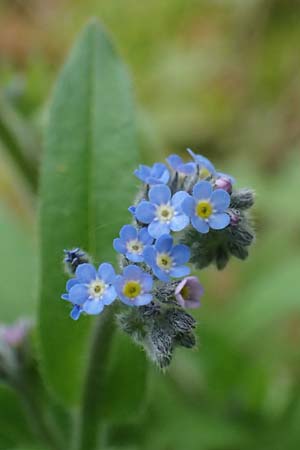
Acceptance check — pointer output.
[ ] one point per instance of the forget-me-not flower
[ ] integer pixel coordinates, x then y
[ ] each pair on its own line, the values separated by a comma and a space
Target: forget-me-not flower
182, 168
206, 207
157, 174
167, 260
163, 212
188, 292
91, 289
134, 286
131, 242
206, 168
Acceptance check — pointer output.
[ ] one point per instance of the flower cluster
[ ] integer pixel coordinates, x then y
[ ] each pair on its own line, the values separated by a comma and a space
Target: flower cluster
186, 212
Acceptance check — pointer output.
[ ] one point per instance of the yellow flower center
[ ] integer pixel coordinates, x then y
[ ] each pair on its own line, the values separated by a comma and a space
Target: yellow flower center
97, 288
164, 213
185, 292
132, 289
204, 173
164, 261
204, 209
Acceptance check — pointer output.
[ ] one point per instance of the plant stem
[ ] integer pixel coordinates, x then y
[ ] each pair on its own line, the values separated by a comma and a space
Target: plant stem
91, 414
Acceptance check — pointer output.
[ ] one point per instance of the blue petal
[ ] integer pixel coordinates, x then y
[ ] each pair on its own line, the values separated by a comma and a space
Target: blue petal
128, 233
78, 294
159, 194
144, 236
107, 273
179, 222
191, 153
202, 190
65, 297
220, 199
93, 306
188, 206
164, 244
145, 212
181, 254
174, 161
160, 172
119, 284
134, 257
149, 256
127, 301
188, 168
180, 271
132, 272
200, 224
161, 274
202, 161
71, 283
147, 282
157, 229
75, 313
119, 245
218, 221
86, 272
109, 295
143, 299
178, 199
142, 172
132, 209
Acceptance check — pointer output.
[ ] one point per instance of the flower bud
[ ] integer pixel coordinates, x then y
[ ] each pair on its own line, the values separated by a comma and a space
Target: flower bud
224, 183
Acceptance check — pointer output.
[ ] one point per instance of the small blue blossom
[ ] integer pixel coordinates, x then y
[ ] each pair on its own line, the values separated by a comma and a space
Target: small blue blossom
131, 242
180, 167
206, 168
91, 289
206, 207
167, 260
134, 286
157, 174
163, 212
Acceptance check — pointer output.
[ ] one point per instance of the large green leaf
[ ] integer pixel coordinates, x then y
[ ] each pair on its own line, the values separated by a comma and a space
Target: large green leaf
123, 404
88, 160
13, 425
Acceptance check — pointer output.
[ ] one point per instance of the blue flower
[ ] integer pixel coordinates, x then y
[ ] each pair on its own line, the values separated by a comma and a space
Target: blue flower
167, 260
131, 242
179, 166
157, 174
206, 207
162, 212
91, 289
206, 168
134, 286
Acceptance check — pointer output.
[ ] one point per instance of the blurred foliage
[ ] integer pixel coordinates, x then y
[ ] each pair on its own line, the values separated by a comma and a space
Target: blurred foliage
220, 77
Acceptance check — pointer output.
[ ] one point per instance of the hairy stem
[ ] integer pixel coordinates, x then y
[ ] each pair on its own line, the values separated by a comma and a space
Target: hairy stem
91, 414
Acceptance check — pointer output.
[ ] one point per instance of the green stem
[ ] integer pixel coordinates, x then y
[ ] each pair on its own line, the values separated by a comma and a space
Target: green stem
91, 414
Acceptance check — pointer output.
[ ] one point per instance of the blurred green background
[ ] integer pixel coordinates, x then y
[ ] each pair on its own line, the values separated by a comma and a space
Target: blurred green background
221, 77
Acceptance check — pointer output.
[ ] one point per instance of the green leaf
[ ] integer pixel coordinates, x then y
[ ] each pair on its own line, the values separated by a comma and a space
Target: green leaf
86, 185
13, 423
269, 298
123, 404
